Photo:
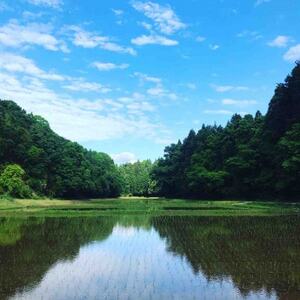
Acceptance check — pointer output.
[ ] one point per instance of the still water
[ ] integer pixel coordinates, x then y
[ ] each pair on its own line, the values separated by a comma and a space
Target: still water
144, 257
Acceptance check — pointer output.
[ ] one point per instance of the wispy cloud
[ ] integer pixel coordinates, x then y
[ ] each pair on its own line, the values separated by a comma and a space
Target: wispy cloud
165, 19
200, 39
49, 3
20, 64
107, 66
280, 41
214, 47
152, 40
228, 88
250, 35
86, 39
117, 12
259, 2
292, 54
157, 89
16, 35
80, 85
144, 77
240, 103
81, 119
160, 92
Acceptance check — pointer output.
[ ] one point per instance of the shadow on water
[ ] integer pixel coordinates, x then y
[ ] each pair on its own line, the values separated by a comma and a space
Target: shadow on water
165, 257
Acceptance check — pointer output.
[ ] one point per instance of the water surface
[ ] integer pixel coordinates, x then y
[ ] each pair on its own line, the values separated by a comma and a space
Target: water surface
144, 257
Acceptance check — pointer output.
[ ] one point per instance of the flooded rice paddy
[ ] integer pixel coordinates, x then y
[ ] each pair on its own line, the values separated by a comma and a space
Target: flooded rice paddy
144, 257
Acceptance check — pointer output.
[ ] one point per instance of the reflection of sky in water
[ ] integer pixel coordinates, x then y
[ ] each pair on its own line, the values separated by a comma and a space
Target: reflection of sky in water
131, 264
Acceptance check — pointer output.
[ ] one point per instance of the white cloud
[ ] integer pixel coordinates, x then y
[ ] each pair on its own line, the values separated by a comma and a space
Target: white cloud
29, 15
280, 41
80, 85
146, 25
49, 3
102, 66
200, 39
119, 16
152, 40
145, 77
164, 18
87, 39
240, 103
20, 64
218, 112
251, 35
292, 54
117, 12
160, 92
156, 91
124, 157
214, 47
259, 2
228, 88
137, 107
15, 35
76, 119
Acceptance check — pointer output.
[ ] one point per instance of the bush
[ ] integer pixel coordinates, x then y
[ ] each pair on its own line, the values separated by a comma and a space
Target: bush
12, 182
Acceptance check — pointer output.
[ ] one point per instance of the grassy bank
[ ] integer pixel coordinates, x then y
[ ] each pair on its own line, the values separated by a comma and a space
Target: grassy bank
157, 206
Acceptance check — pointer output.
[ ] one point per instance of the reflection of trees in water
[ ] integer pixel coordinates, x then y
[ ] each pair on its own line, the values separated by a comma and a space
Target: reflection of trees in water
29, 247
255, 252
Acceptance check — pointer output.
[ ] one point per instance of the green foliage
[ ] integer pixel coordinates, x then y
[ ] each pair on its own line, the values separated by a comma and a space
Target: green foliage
251, 157
12, 182
54, 166
136, 178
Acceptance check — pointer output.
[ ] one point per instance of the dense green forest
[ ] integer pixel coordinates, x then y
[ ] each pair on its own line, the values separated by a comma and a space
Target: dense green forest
36, 161
251, 157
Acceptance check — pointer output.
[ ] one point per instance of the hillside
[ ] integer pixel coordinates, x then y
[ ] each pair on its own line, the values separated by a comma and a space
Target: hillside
35, 160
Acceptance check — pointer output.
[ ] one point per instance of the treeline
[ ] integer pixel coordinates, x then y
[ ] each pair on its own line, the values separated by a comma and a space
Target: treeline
255, 157
36, 161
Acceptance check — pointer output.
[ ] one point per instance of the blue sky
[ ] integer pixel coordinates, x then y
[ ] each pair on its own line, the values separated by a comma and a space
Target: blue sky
129, 77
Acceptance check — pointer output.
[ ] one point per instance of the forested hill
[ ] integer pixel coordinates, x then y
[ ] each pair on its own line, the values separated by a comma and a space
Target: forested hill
255, 157
251, 157
35, 160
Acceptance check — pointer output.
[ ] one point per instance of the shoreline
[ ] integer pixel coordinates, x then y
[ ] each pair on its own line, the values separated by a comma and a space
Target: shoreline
143, 206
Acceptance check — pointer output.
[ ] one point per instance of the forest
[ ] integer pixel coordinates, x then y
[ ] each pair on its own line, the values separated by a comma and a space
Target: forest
255, 157
251, 157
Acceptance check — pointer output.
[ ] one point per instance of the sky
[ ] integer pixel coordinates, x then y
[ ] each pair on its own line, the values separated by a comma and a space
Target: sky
129, 77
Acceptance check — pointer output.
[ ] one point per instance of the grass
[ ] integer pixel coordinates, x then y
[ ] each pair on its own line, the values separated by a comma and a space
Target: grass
155, 206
